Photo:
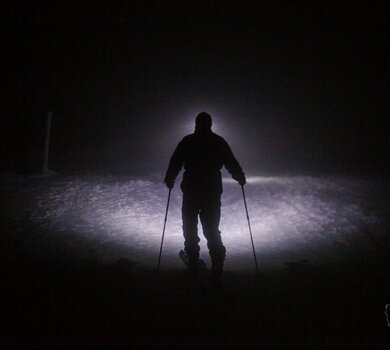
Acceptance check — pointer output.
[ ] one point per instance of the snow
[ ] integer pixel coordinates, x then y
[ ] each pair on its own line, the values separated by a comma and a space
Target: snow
320, 219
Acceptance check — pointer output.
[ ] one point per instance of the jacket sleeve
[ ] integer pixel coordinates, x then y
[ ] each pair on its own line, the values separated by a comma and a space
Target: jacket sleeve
232, 165
176, 162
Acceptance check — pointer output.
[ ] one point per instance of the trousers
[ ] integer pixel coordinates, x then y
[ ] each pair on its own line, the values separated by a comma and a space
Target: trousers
206, 206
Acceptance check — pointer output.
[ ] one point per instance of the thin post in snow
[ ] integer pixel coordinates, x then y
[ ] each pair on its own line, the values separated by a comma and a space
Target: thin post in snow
47, 142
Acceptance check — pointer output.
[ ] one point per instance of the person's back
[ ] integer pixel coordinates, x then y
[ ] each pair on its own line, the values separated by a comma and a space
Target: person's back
203, 154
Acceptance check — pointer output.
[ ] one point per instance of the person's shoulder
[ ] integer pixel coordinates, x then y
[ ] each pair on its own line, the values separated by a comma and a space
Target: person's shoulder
187, 138
218, 138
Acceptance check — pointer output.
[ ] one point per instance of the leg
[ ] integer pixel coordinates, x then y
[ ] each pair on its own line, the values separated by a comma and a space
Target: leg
210, 216
190, 211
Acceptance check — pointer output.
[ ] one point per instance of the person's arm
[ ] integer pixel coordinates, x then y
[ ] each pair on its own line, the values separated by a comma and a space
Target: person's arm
232, 165
175, 165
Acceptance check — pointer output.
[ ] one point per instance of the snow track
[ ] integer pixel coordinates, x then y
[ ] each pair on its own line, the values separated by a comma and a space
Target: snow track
314, 218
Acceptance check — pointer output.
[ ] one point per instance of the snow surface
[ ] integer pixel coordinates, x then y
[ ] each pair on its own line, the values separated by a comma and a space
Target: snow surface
320, 219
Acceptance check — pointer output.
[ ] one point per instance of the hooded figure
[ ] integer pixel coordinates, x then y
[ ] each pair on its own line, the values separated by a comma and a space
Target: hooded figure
203, 154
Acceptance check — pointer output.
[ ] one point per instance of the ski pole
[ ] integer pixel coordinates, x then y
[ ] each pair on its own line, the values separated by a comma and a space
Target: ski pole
162, 238
250, 232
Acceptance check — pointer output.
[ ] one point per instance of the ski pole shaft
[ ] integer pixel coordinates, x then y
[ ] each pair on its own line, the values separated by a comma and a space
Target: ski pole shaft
165, 223
250, 232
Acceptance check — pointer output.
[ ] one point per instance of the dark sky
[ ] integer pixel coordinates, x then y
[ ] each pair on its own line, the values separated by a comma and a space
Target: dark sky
292, 85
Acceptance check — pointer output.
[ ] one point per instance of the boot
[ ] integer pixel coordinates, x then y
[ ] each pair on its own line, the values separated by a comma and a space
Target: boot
193, 266
192, 262
216, 269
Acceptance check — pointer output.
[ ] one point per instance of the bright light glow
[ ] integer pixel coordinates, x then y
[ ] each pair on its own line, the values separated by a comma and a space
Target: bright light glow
291, 218
258, 180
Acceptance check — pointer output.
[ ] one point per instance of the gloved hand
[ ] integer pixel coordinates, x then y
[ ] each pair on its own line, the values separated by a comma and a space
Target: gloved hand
240, 179
169, 183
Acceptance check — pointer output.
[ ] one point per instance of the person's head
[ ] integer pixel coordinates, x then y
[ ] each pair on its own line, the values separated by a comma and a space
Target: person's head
203, 122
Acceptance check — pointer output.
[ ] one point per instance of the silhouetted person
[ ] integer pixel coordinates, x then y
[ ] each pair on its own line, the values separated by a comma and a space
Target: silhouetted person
203, 154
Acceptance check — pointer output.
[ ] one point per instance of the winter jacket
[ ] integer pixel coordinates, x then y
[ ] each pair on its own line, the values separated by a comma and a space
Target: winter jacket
203, 154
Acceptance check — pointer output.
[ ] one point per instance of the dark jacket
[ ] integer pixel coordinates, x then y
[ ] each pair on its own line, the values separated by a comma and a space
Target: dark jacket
203, 154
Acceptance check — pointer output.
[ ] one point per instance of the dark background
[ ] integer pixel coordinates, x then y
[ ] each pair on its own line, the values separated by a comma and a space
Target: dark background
294, 86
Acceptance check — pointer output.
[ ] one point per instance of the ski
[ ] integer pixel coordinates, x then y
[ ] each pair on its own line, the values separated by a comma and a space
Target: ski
199, 275
201, 266
209, 288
